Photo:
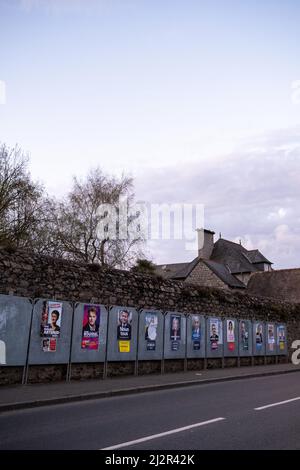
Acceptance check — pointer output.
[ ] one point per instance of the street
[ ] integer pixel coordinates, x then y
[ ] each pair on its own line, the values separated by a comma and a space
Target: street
256, 413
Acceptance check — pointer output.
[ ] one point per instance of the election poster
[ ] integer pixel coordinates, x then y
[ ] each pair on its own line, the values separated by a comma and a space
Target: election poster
124, 330
281, 337
90, 327
175, 327
244, 335
230, 335
215, 333
271, 337
259, 336
151, 323
51, 319
196, 332
49, 344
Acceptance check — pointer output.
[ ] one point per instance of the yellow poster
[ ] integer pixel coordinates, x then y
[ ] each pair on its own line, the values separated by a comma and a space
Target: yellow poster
124, 346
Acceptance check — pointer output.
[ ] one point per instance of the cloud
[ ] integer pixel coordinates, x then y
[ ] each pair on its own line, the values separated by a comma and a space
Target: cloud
252, 194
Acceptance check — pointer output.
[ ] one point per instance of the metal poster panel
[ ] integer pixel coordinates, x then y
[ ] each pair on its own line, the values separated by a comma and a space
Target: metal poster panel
151, 324
50, 337
122, 334
214, 337
271, 348
89, 333
175, 335
245, 338
15, 318
259, 346
281, 339
231, 337
196, 336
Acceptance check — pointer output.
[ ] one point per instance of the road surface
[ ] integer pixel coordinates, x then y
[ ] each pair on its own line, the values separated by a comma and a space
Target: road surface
257, 413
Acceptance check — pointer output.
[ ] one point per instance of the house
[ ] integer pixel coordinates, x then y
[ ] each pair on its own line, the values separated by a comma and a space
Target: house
223, 264
282, 284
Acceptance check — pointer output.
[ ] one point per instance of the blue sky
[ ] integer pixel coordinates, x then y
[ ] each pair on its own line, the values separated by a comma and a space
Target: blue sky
171, 88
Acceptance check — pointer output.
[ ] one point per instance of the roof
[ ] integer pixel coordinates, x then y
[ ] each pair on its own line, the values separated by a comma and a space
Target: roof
223, 273
169, 270
236, 257
182, 270
186, 270
227, 259
283, 284
177, 270
256, 256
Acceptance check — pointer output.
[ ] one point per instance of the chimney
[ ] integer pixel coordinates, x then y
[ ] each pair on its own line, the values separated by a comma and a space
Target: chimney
205, 243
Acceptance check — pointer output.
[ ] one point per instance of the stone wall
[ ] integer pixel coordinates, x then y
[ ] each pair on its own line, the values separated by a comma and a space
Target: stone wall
28, 275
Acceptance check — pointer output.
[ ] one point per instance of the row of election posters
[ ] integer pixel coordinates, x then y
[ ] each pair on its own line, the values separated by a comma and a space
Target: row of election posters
51, 318
59, 332
157, 333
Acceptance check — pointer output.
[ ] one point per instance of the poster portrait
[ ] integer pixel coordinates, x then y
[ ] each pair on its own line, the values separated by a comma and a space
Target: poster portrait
281, 337
244, 335
230, 324
124, 330
259, 336
51, 319
49, 344
271, 337
151, 323
175, 327
215, 333
196, 332
90, 327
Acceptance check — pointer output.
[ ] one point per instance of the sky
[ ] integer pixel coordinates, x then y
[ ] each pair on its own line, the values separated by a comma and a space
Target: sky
198, 100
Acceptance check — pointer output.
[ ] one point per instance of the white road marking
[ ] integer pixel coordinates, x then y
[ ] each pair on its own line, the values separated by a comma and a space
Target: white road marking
277, 404
162, 434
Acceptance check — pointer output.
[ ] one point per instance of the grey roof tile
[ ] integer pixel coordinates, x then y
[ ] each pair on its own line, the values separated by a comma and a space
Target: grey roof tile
170, 270
256, 256
224, 274
233, 255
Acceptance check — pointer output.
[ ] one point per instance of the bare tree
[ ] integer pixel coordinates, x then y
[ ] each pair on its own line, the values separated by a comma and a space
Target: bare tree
70, 228
44, 237
79, 220
19, 198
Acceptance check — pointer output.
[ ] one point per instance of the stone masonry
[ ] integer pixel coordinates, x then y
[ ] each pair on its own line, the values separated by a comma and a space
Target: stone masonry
203, 276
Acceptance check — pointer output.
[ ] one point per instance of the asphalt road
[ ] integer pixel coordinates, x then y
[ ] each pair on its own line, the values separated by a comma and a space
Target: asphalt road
113, 422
